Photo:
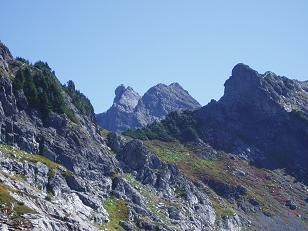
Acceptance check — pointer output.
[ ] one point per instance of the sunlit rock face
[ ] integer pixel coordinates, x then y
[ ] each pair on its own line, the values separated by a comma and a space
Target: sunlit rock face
129, 110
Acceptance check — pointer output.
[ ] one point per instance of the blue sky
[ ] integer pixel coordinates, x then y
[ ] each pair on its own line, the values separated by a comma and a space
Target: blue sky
100, 44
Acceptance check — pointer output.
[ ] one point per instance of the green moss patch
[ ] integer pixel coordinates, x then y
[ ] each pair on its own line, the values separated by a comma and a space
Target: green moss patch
66, 173
21, 155
103, 132
117, 210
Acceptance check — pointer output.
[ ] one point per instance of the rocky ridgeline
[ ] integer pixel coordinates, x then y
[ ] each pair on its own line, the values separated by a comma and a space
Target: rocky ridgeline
79, 179
263, 118
130, 110
76, 182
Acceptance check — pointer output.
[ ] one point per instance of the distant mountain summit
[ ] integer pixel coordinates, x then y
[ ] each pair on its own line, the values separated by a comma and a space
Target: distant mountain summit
119, 116
130, 110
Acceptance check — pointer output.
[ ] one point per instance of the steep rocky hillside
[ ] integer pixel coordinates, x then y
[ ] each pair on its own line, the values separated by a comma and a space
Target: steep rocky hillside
59, 172
39, 115
250, 147
262, 118
130, 110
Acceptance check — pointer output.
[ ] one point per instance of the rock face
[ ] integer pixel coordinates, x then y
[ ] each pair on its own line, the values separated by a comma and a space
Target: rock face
58, 173
262, 117
129, 110
75, 145
262, 122
46, 194
79, 180
120, 116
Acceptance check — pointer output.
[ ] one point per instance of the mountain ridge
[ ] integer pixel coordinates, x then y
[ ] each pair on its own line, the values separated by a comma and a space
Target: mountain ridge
256, 112
191, 171
130, 110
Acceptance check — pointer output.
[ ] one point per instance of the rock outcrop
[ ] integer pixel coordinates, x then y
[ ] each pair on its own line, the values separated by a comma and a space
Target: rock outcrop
262, 117
58, 173
130, 111
120, 116
262, 123
74, 181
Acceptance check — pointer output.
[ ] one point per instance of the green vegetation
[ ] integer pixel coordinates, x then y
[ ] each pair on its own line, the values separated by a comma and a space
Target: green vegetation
66, 173
177, 126
42, 89
170, 152
20, 209
13, 207
135, 183
51, 173
103, 132
152, 200
25, 61
39, 158
21, 155
189, 163
81, 102
117, 210
48, 197
5, 198
15, 177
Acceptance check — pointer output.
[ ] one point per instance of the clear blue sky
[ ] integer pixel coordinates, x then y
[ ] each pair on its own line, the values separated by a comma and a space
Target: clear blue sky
101, 44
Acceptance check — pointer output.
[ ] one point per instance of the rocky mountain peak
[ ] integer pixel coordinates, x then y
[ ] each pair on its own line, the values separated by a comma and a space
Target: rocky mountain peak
163, 87
129, 110
175, 84
162, 99
266, 92
244, 71
58, 172
119, 90
242, 81
126, 98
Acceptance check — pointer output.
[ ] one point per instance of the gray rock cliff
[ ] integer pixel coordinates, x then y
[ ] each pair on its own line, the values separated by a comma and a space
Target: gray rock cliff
58, 173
